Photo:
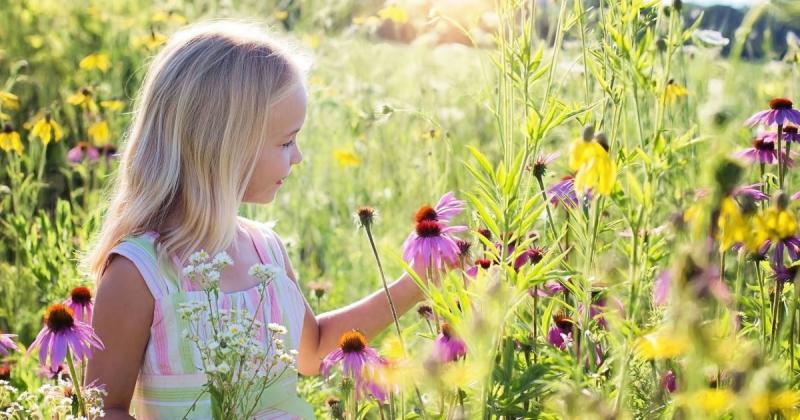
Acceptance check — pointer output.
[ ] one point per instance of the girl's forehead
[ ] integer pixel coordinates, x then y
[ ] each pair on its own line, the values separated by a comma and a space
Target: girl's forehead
290, 111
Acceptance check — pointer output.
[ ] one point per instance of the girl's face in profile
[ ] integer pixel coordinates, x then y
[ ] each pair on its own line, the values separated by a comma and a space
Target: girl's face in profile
280, 151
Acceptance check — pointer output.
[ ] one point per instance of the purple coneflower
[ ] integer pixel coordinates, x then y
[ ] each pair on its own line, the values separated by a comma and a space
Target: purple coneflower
560, 334
564, 192
763, 151
780, 113
80, 302
530, 256
784, 274
447, 208
540, 164
432, 244
448, 347
479, 263
62, 333
547, 290
358, 362
789, 134
6, 344
753, 191
668, 381
81, 151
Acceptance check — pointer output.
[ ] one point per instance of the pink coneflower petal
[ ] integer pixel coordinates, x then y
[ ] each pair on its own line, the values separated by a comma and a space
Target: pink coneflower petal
662, 287
62, 333
6, 344
431, 244
358, 361
753, 191
448, 347
448, 207
780, 112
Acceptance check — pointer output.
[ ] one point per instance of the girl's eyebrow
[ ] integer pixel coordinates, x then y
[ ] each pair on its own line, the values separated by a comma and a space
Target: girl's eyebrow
294, 132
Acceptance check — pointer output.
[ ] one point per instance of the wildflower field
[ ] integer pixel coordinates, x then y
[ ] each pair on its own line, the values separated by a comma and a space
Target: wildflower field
619, 240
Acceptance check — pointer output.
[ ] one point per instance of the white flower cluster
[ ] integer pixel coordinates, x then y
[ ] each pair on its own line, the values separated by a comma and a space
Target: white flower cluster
264, 272
205, 270
50, 401
232, 356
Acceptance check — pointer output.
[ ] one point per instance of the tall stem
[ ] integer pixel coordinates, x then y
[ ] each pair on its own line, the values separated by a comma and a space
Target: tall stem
76, 383
385, 287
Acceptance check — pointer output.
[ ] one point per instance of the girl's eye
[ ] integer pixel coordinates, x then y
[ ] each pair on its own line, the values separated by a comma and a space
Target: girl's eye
288, 145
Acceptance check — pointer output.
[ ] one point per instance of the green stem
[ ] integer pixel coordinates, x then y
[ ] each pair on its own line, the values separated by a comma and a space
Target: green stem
76, 383
385, 287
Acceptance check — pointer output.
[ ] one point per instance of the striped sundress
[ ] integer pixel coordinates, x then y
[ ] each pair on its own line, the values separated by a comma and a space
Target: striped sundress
170, 379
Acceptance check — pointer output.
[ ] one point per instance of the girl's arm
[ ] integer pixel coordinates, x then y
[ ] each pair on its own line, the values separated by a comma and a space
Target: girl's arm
123, 313
370, 315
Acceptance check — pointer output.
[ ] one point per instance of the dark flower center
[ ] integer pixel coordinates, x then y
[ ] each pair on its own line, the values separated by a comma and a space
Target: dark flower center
352, 342
483, 263
365, 215
486, 233
780, 103
8, 128
562, 322
463, 247
762, 145
425, 311
426, 213
447, 331
535, 255
790, 129
429, 228
59, 318
81, 295
86, 92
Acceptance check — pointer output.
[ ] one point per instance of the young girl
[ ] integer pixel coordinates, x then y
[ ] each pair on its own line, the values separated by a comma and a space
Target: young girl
215, 125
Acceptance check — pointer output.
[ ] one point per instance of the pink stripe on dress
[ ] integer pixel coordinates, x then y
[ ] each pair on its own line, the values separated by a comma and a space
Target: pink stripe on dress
161, 341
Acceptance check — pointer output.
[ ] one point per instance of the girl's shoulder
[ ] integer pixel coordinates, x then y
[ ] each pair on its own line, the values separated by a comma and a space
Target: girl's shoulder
271, 238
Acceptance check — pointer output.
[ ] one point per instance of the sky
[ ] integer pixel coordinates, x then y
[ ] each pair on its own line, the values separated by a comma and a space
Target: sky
725, 2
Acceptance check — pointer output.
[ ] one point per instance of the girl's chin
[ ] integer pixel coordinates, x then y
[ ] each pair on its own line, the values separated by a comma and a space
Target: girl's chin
264, 198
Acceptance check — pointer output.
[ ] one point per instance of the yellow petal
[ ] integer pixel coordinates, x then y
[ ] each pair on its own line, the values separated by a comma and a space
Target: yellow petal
9, 100
394, 13
99, 133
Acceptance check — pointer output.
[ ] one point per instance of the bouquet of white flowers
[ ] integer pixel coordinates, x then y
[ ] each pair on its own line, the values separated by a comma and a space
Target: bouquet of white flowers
238, 366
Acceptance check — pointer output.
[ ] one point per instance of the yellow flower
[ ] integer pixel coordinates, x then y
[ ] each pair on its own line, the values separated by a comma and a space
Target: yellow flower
766, 403
579, 152
432, 134
114, 105
35, 41
346, 157
99, 133
10, 140
168, 17
9, 100
714, 401
98, 61
597, 171
397, 375
46, 129
776, 224
281, 15
394, 13
675, 91
83, 98
150, 41
312, 40
661, 346
732, 227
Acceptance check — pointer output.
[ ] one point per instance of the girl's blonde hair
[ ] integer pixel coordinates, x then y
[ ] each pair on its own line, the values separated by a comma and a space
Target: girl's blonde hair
199, 122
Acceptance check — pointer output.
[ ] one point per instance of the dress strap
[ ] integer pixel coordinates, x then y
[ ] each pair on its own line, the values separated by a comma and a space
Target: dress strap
266, 257
140, 250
